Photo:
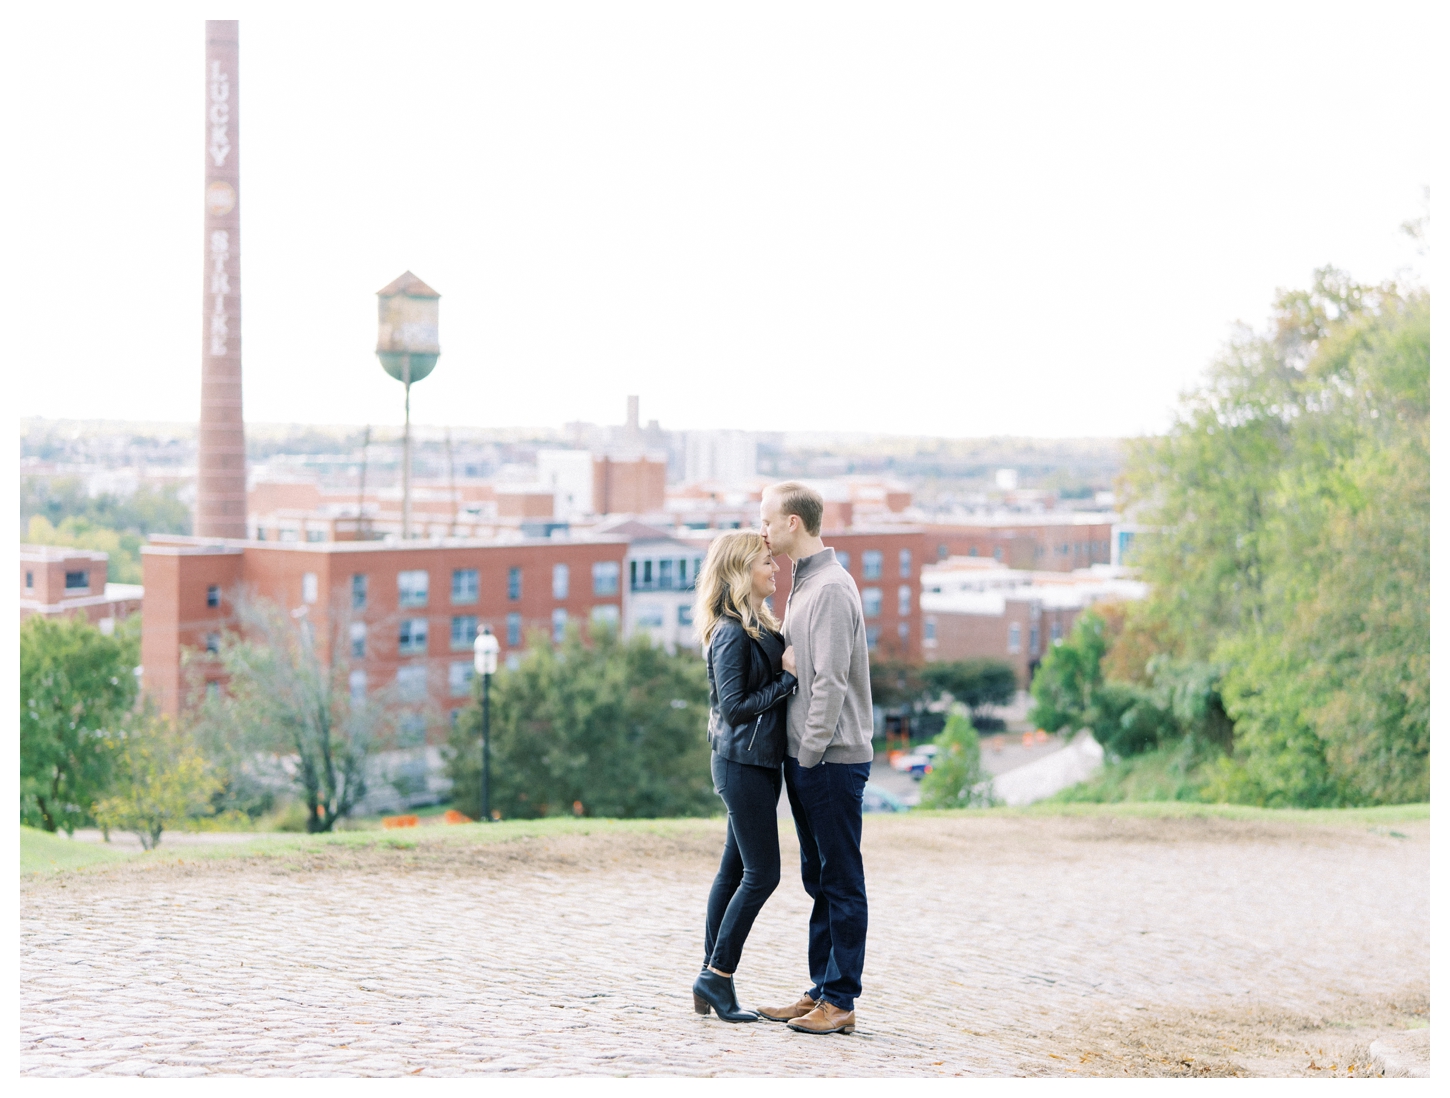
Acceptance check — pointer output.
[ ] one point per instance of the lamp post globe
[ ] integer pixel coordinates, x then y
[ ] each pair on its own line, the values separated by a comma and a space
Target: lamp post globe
408, 350
485, 663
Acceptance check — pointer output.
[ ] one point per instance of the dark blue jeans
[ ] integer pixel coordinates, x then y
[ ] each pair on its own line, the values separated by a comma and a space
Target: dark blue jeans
750, 867
826, 803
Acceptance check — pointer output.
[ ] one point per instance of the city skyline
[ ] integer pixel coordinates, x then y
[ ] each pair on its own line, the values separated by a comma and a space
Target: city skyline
936, 229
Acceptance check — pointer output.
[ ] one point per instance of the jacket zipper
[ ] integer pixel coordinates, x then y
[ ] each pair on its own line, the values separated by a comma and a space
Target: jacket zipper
751, 744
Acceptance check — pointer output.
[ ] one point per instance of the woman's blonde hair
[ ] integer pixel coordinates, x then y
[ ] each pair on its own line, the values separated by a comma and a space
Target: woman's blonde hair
724, 587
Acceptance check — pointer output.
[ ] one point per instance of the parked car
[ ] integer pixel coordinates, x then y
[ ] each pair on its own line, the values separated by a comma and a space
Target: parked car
915, 764
876, 799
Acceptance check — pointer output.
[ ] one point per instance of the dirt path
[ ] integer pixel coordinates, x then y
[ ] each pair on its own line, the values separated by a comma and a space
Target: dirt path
998, 946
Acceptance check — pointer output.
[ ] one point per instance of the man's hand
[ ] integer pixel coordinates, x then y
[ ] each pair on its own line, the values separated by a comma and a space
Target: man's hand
787, 659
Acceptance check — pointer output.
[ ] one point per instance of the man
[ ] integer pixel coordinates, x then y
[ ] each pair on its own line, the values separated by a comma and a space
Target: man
828, 754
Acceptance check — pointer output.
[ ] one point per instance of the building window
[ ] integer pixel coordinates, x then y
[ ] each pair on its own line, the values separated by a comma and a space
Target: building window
413, 588
903, 600
871, 601
608, 614
412, 636
213, 643
213, 689
413, 682
465, 629
358, 634
516, 584
928, 631
905, 560
213, 595
261, 533
460, 677
972, 552
316, 535
942, 552
873, 636
77, 581
634, 575
465, 585
903, 633
667, 575
871, 564
1014, 638
649, 573
996, 553
359, 592
1056, 632
843, 559
559, 619
561, 581
606, 576
650, 617
686, 615
309, 586
357, 686
1032, 641
515, 630
30, 581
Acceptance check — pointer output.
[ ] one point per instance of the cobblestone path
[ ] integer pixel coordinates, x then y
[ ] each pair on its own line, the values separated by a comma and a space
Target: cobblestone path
998, 946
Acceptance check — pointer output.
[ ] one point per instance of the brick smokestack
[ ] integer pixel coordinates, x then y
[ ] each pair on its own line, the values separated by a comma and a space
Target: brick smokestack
221, 496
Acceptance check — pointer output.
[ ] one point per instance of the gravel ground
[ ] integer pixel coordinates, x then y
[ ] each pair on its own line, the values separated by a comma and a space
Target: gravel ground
998, 946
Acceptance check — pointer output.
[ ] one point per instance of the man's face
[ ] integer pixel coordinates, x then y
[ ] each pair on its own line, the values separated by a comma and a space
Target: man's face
778, 529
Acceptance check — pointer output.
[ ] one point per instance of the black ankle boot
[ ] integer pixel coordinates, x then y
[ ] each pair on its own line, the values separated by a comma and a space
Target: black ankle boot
714, 990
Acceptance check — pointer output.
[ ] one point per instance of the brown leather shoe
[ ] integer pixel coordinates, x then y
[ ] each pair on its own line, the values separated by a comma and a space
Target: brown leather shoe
798, 1009
825, 1019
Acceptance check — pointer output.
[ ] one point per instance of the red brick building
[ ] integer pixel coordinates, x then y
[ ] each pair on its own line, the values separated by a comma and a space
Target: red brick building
59, 581
408, 614
628, 486
1057, 543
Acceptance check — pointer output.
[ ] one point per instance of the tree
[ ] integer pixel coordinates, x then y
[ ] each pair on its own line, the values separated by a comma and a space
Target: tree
161, 778
1069, 675
616, 727
59, 511
77, 687
956, 779
976, 683
287, 692
1291, 503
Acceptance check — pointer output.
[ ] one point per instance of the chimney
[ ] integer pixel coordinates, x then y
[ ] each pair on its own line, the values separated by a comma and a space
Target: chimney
631, 419
221, 462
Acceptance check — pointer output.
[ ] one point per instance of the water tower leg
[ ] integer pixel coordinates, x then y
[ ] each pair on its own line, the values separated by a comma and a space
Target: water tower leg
407, 446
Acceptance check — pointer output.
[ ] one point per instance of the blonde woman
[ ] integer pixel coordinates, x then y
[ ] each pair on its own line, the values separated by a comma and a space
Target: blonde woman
751, 674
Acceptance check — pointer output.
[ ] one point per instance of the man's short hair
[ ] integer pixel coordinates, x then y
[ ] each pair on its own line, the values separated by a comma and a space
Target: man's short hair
804, 502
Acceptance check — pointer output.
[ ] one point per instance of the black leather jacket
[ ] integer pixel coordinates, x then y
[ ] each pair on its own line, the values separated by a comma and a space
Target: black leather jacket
748, 689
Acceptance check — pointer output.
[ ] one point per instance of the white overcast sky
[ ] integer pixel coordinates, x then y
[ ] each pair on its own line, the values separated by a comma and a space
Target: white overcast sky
896, 218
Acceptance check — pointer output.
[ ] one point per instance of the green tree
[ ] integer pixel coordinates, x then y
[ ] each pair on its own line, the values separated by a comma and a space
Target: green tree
956, 779
976, 683
618, 727
287, 693
1291, 504
77, 688
1069, 675
161, 779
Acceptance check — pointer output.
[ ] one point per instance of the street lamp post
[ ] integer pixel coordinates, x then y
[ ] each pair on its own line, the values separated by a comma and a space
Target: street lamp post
408, 350
485, 663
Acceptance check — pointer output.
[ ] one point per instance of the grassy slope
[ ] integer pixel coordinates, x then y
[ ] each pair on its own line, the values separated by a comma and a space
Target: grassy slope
42, 853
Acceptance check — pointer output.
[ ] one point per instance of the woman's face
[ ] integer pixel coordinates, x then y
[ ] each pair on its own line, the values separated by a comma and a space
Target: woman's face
762, 575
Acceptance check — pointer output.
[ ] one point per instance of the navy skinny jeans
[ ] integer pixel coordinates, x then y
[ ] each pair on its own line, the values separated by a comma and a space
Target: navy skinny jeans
750, 867
826, 803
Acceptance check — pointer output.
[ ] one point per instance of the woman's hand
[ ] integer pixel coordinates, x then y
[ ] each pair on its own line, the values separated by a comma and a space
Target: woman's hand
787, 659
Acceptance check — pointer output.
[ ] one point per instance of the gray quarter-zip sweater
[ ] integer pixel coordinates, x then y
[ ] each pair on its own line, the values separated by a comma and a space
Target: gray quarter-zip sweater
829, 716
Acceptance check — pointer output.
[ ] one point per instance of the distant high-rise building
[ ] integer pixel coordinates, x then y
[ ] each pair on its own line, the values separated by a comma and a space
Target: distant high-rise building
720, 457
221, 466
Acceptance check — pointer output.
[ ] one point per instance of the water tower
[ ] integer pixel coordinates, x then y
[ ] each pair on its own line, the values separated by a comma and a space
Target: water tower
408, 350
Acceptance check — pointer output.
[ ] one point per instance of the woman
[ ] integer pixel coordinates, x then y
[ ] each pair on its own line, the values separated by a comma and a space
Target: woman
750, 672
